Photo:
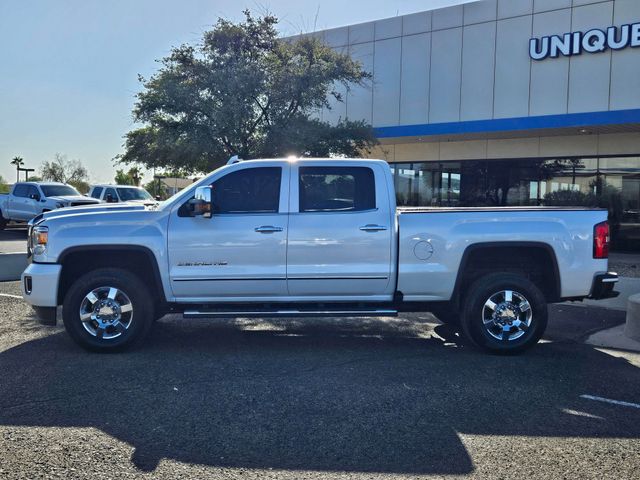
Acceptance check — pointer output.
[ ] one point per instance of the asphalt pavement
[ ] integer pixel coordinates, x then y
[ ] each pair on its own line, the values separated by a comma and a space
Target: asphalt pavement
13, 240
316, 398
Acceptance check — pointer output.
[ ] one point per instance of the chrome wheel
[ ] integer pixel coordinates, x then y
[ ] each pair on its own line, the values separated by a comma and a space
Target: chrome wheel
106, 312
507, 315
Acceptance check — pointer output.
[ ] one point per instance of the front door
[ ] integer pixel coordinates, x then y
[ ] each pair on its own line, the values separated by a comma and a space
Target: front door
32, 206
240, 252
340, 232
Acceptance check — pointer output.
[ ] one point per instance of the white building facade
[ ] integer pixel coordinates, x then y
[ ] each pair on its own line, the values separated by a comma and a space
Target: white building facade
505, 102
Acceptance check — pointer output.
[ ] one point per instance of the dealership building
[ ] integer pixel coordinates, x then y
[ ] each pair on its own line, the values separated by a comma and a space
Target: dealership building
505, 102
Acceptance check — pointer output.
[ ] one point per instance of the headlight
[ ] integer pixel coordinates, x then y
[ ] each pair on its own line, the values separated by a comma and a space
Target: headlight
39, 239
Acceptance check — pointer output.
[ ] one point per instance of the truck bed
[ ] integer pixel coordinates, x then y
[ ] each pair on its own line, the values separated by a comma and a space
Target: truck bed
431, 248
404, 210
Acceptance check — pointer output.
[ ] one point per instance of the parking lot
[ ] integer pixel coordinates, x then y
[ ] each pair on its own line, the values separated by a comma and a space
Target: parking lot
13, 240
315, 398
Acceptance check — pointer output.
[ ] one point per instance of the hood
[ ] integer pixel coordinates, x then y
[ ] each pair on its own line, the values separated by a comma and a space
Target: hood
91, 208
148, 203
73, 198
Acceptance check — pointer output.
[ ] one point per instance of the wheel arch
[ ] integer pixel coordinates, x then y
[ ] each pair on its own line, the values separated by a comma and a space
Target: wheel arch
138, 259
539, 256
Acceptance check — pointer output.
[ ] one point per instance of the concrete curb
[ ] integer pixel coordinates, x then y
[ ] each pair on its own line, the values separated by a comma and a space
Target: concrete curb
12, 265
614, 338
632, 327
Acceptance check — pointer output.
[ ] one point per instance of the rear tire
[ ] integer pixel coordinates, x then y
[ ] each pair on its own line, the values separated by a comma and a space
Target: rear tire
504, 313
108, 309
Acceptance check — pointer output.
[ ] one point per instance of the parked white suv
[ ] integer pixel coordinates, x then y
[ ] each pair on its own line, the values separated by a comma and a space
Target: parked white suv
28, 199
121, 193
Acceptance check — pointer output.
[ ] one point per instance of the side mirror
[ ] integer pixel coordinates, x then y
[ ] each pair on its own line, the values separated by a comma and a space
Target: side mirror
202, 202
109, 198
35, 196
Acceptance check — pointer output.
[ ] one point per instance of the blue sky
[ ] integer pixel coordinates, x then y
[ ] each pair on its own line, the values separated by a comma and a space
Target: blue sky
69, 68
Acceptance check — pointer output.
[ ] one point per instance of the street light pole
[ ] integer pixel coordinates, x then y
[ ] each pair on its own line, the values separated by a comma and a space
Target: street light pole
26, 173
158, 178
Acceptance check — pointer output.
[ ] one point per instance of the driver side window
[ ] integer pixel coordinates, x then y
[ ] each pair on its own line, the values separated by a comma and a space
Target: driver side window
110, 195
251, 190
33, 193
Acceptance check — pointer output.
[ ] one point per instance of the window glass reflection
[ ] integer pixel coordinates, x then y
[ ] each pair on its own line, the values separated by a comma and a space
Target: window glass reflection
612, 183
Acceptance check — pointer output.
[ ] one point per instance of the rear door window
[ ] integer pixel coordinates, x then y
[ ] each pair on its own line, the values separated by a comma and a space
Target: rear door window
336, 189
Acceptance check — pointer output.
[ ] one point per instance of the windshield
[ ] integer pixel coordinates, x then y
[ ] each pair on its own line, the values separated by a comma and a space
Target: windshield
58, 190
127, 194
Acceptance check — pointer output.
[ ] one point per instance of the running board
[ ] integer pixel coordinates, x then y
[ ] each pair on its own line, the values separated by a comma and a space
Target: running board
288, 313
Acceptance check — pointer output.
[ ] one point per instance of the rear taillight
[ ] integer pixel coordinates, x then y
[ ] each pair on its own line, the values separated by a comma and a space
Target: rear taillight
601, 240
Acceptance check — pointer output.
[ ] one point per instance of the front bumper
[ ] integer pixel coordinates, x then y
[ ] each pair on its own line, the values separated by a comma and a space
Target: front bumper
602, 286
39, 283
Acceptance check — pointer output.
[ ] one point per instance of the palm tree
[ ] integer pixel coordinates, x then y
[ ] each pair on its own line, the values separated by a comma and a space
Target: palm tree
18, 162
135, 174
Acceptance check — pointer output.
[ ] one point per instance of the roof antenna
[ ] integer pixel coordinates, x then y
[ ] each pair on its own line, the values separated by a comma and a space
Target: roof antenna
234, 159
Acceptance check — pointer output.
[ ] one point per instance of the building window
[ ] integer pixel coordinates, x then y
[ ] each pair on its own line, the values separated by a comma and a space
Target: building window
607, 182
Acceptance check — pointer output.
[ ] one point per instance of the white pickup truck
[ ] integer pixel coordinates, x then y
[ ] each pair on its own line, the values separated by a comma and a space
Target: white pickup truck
107, 193
28, 199
311, 238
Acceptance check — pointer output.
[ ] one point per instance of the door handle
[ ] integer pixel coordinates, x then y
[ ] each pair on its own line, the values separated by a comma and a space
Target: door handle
372, 228
268, 229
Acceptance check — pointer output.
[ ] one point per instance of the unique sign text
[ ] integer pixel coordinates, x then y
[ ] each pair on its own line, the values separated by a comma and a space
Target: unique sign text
593, 41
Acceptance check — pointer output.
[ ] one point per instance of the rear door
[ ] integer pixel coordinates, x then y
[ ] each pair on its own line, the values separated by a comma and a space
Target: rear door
340, 231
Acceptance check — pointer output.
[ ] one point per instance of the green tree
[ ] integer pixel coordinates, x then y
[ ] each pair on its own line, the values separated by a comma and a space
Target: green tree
61, 169
131, 177
136, 176
122, 178
81, 185
18, 162
158, 189
244, 91
4, 188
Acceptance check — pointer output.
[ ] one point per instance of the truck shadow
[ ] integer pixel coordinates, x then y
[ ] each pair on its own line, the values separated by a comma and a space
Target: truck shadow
313, 396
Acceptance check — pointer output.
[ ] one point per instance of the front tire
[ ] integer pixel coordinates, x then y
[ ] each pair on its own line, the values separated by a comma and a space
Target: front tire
504, 313
108, 309
3, 221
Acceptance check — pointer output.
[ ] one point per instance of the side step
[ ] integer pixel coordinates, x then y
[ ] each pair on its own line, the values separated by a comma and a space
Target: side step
288, 313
